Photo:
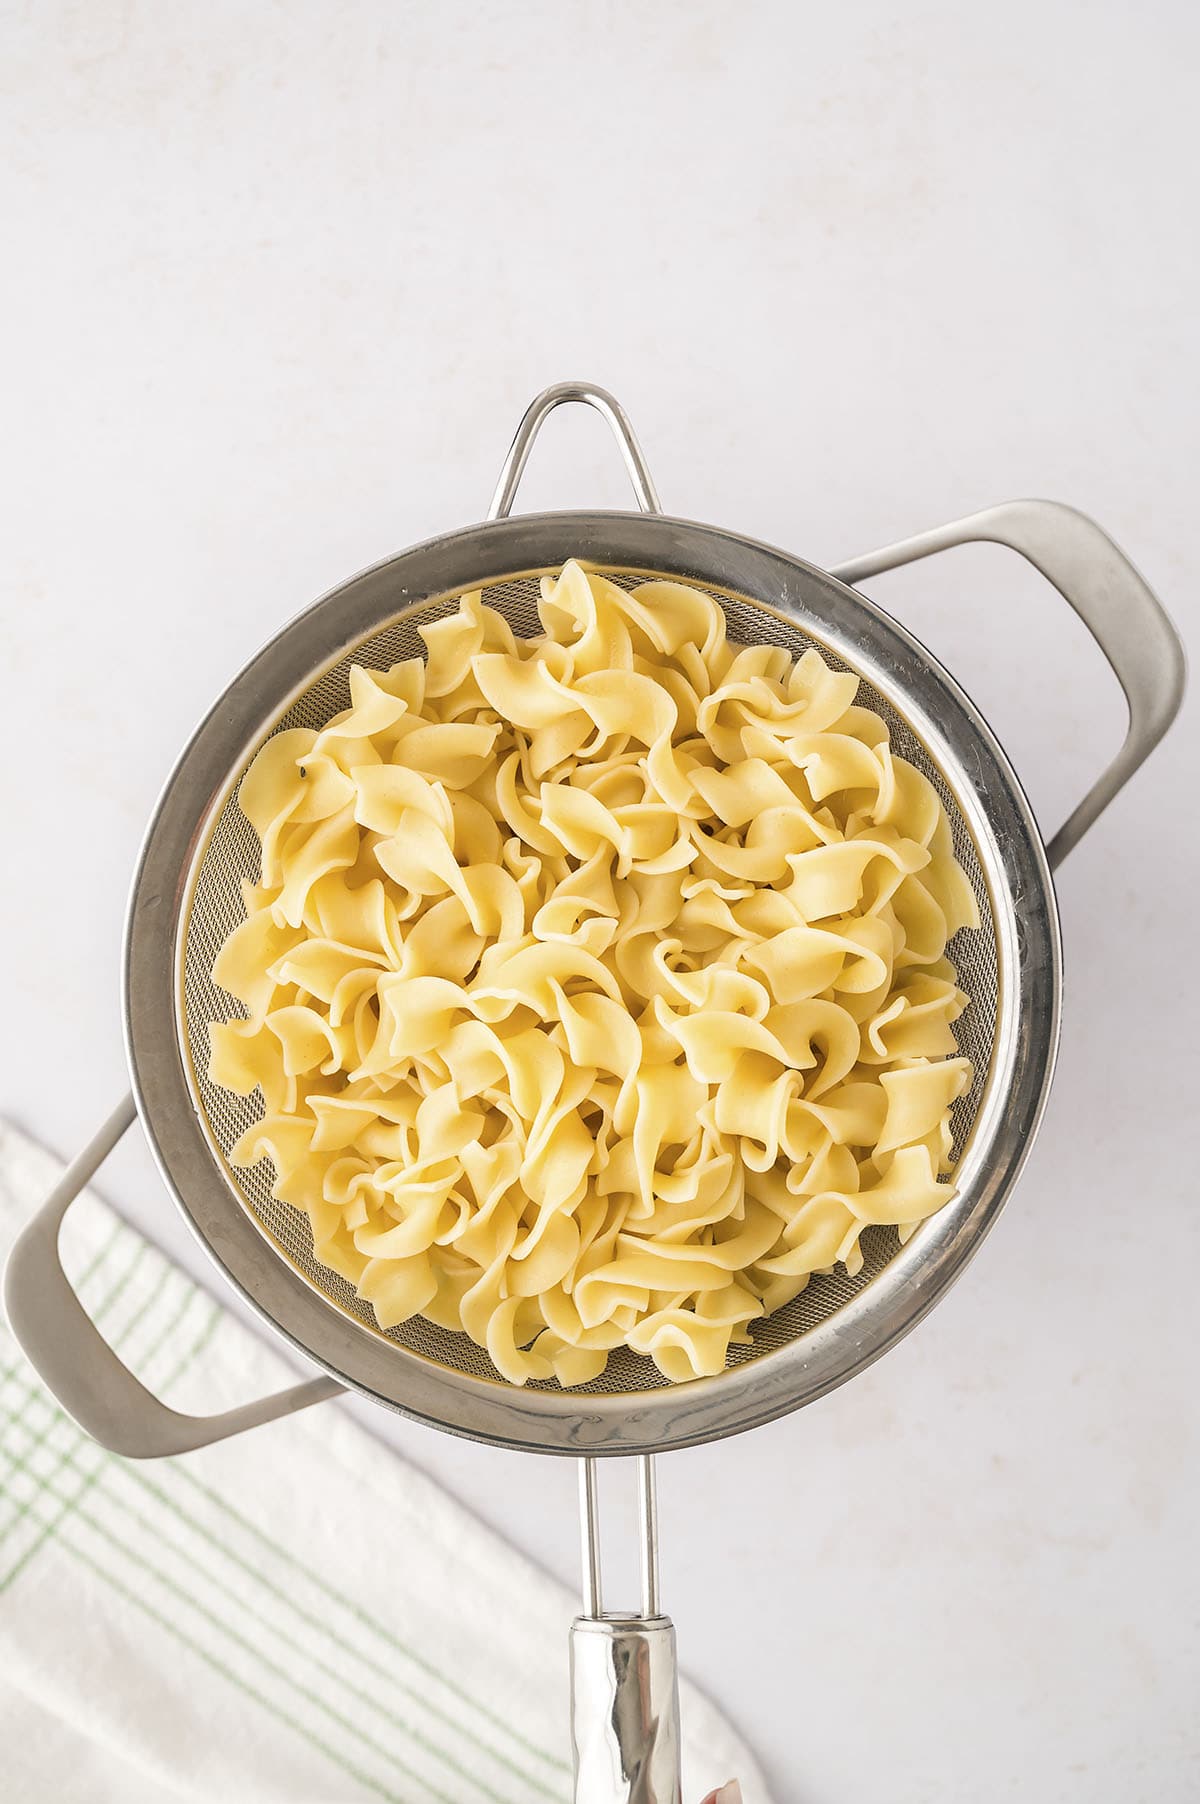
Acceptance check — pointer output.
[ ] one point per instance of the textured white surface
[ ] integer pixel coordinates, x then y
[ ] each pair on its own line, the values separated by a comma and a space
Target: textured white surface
279, 280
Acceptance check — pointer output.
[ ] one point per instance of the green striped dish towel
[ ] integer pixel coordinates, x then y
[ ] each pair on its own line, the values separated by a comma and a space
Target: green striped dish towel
294, 1616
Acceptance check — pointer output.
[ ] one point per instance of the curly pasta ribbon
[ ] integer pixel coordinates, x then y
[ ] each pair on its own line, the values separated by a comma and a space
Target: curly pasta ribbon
596, 984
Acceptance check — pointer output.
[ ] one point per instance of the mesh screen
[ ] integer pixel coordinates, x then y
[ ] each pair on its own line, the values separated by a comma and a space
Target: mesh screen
232, 854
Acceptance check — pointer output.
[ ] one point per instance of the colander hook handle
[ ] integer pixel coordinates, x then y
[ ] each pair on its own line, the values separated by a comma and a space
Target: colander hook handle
77, 1364
535, 417
1115, 603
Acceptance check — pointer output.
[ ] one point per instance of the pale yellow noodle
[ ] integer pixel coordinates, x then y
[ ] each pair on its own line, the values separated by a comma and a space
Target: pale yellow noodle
596, 985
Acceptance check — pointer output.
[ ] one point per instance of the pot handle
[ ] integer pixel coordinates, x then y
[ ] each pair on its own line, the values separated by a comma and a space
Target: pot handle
1117, 606
77, 1364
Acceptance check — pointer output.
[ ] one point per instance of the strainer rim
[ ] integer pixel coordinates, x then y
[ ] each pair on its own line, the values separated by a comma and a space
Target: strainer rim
776, 1381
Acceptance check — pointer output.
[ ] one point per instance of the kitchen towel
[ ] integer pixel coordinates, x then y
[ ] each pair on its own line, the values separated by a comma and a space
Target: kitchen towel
295, 1616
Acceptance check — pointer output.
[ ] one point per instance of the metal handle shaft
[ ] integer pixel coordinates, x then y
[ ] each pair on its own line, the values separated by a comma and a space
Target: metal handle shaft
1115, 603
77, 1364
535, 417
589, 1526
624, 1682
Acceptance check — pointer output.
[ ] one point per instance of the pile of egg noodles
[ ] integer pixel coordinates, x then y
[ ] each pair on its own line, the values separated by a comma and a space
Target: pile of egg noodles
596, 984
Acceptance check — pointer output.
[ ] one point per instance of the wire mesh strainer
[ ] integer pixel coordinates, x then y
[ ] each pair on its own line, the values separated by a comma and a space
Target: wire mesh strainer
186, 898
230, 855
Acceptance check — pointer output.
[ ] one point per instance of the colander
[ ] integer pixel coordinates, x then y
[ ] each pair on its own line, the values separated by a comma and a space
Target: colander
186, 898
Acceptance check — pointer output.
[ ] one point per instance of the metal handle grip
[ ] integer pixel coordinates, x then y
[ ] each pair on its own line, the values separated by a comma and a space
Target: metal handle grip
535, 417
625, 1711
76, 1362
624, 1680
1115, 603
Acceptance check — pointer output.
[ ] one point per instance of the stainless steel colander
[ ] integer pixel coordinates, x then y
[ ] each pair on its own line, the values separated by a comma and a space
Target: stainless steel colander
186, 898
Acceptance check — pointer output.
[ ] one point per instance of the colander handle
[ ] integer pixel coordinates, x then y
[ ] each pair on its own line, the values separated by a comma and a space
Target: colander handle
624, 1680
76, 1362
535, 417
1115, 603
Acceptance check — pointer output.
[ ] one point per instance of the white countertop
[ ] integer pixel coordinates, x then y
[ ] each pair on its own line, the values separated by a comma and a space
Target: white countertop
279, 281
